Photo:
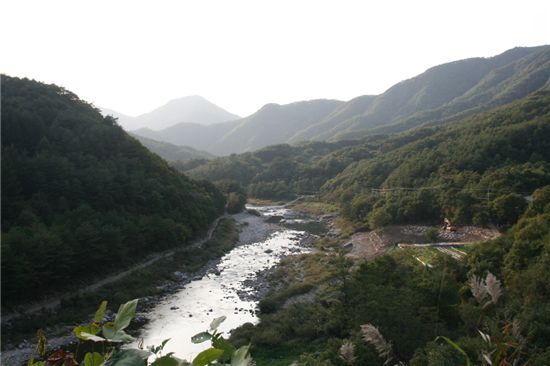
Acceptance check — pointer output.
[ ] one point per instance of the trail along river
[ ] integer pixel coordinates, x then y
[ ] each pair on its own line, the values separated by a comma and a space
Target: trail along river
226, 288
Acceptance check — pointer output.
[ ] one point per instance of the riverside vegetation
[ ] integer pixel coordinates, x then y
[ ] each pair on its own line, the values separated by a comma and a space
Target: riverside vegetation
149, 283
414, 306
79, 195
478, 170
109, 336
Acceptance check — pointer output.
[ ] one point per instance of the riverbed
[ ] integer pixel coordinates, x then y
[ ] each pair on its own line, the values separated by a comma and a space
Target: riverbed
228, 289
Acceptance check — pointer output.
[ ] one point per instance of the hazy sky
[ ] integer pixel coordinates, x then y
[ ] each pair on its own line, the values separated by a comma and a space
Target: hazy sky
133, 56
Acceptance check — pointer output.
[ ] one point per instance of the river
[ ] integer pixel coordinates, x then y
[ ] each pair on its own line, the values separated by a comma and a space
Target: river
228, 288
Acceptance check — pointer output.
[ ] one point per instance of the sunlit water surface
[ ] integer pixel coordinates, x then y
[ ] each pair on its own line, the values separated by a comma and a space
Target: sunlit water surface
191, 309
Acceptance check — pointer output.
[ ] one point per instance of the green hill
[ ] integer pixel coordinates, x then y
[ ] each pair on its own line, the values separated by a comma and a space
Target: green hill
443, 93
80, 197
466, 171
171, 152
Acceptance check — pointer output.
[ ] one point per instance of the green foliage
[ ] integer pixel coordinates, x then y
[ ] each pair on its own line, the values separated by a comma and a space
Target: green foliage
471, 171
235, 195
170, 152
477, 170
93, 359
432, 235
76, 189
430, 315
114, 355
100, 313
458, 348
508, 208
280, 171
222, 349
207, 356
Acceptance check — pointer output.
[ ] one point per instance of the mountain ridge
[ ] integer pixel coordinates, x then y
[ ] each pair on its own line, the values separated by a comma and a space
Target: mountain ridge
440, 95
193, 108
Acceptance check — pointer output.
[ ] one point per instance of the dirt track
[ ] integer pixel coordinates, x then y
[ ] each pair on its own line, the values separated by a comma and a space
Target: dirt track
370, 244
53, 302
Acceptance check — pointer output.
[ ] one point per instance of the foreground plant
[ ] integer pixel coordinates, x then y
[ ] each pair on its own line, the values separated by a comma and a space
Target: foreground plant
111, 336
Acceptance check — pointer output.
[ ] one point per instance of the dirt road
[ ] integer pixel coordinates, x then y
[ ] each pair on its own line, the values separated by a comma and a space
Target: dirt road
54, 302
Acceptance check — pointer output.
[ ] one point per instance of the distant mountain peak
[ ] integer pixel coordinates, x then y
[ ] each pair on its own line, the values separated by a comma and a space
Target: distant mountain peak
190, 109
439, 95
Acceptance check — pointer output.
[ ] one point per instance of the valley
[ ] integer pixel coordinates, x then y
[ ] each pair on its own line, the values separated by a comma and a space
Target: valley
407, 228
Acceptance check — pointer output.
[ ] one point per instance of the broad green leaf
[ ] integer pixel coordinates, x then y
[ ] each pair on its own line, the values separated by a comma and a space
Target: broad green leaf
226, 346
31, 362
216, 322
241, 357
165, 361
201, 337
458, 348
92, 359
91, 337
88, 329
130, 357
41, 345
100, 313
125, 314
170, 360
116, 335
207, 356
164, 343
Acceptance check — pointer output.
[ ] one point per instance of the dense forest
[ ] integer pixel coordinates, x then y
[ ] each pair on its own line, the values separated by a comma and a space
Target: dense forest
80, 197
476, 170
279, 171
412, 305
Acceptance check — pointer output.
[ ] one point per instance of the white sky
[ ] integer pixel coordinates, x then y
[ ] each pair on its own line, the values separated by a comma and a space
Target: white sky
133, 56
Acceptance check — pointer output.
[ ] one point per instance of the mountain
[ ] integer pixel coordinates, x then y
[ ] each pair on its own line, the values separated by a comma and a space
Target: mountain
170, 152
456, 170
272, 124
190, 134
193, 109
80, 197
464, 171
442, 94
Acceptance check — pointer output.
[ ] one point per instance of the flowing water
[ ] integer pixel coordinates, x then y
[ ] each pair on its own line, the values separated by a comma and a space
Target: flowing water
224, 289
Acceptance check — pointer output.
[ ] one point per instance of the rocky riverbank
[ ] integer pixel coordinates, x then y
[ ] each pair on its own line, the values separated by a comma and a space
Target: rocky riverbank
252, 229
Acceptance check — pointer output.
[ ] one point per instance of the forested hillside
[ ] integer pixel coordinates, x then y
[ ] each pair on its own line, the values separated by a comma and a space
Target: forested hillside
170, 152
475, 170
441, 94
502, 318
80, 197
280, 171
